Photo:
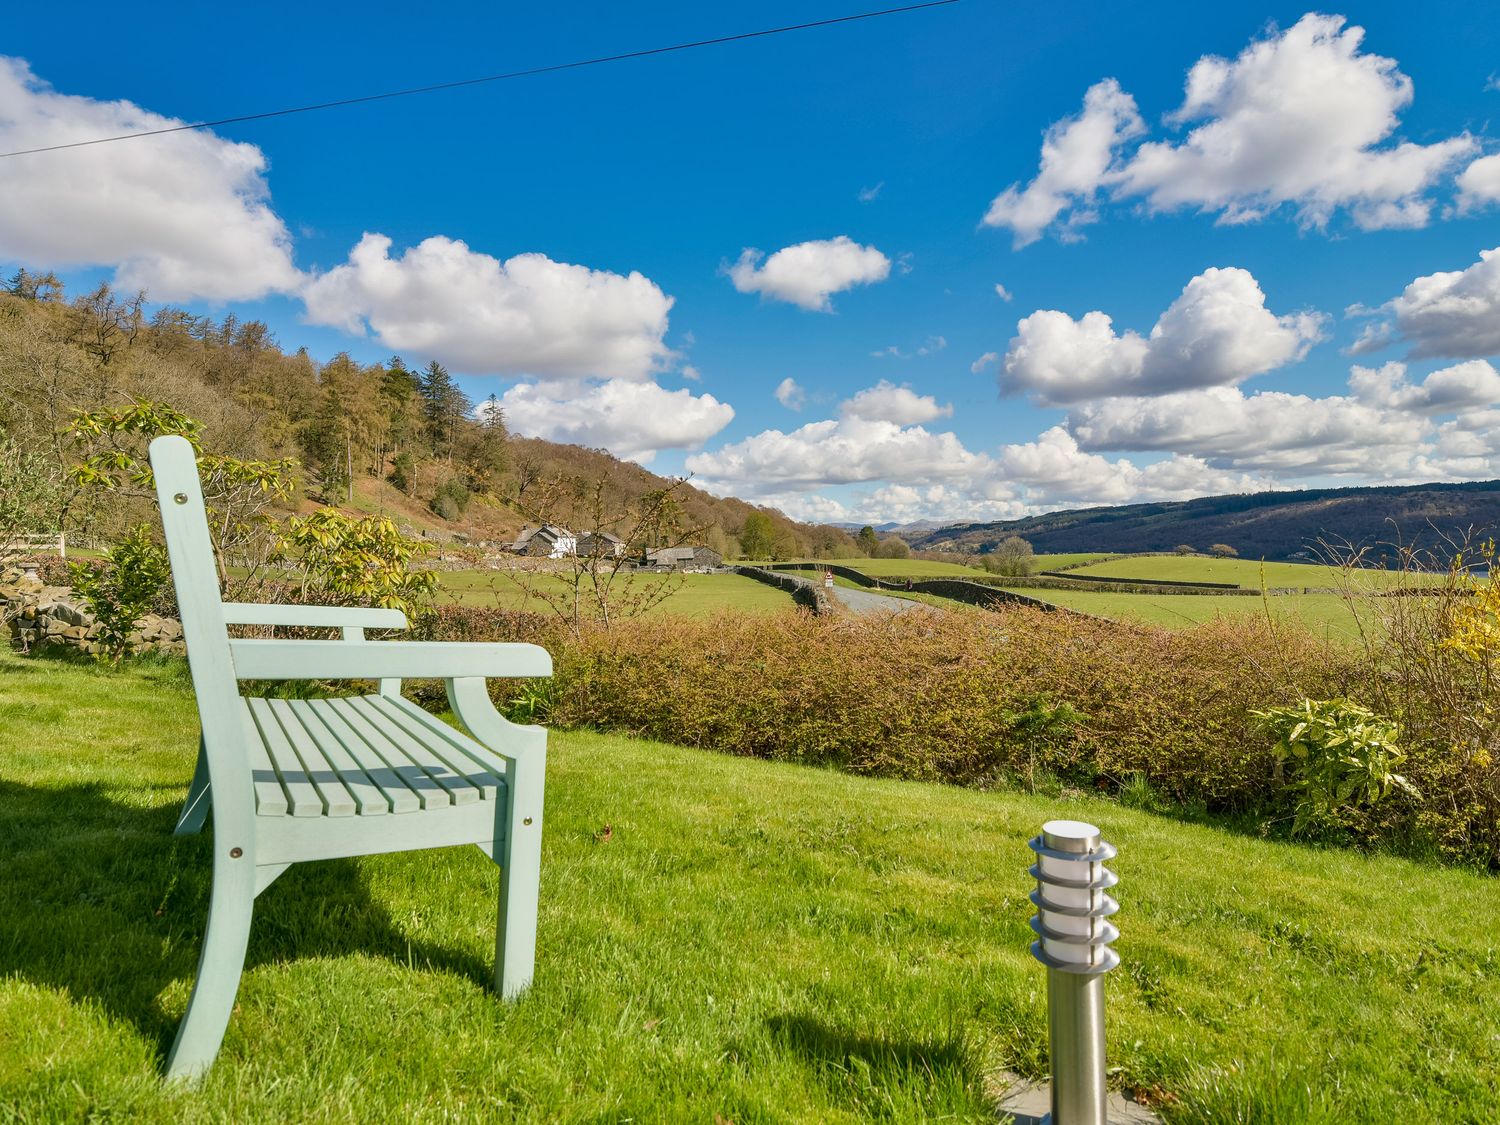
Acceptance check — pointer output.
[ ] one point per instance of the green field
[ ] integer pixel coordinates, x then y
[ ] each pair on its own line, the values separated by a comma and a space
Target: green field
700, 595
719, 936
1053, 562
1240, 572
1324, 613
905, 568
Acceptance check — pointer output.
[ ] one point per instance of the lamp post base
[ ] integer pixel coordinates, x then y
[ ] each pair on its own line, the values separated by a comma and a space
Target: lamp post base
1030, 1103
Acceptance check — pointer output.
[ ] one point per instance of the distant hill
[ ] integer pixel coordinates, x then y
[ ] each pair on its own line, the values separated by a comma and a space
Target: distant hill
1270, 525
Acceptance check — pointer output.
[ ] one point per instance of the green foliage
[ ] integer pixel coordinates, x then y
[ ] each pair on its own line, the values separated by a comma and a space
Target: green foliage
1338, 757
347, 561
867, 541
403, 472
122, 590
893, 547
1041, 725
451, 499
757, 536
1012, 557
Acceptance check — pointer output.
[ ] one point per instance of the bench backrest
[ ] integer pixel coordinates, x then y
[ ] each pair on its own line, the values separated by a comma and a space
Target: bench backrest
196, 580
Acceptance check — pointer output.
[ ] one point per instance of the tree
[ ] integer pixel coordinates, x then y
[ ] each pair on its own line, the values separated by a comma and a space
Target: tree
30, 492
484, 448
1012, 556
347, 561
867, 541
1185, 549
893, 547
758, 536
445, 407
121, 591
1223, 551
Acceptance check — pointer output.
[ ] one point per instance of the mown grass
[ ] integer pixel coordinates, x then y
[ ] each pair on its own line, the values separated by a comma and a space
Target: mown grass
699, 595
1326, 614
757, 941
1241, 572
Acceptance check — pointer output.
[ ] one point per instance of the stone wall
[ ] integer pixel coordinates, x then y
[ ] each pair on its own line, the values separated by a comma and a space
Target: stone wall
803, 591
38, 616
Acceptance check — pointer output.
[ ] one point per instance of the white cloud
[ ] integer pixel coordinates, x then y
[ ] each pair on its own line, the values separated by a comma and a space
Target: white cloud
1479, 184
790, 394
886, 402
1003, 293
1454, 314
1300, 119
1218, 331
184, 217
527, 315
630, 418
1077, 152
984, 361
691, 373
845, 450
870, 194
1461, 387
1056, 470
1272, 432
808, 273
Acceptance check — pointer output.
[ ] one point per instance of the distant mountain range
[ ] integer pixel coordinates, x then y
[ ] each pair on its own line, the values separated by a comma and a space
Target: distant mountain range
1269, 525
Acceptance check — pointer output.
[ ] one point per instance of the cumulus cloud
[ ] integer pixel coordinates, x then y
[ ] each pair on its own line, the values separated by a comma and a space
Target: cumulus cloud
1461, 387
1301, 119
630, 418
790, 394
1455, 314
809, 273
1077, 154
984, 361
1288, 435
1057, 470
1217, 332
527, 315
886, 402
1479, 184
838, 451
184, 217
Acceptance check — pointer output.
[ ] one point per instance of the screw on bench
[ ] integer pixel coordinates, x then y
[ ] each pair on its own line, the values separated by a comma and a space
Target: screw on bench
1073, 936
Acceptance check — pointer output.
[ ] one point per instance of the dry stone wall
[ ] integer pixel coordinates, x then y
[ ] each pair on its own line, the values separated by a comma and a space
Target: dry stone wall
39, 616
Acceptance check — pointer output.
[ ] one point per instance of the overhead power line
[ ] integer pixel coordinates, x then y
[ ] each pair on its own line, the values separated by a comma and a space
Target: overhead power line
532, 72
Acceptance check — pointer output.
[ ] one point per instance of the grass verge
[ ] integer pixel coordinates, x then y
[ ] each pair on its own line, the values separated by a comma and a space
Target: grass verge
752, 940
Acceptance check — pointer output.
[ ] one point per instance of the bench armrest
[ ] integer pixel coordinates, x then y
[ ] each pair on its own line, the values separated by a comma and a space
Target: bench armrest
313, 616
379, 660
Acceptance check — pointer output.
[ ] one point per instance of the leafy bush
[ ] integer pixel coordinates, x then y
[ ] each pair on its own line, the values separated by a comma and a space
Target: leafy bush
121, 591
348, 561
1339, 757
452, 499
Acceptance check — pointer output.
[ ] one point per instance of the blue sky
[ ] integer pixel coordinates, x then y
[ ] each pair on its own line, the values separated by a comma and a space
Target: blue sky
1315, 170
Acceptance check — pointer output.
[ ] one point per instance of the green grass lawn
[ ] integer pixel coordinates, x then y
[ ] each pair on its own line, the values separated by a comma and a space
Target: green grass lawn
718, 936
700, 595
1241, 572
1052, 562
1320, 612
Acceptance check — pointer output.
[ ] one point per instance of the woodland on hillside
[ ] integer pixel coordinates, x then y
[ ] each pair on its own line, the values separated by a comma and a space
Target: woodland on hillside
395, 437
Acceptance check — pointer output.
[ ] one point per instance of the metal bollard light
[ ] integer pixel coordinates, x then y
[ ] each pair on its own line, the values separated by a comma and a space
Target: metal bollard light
1073, 936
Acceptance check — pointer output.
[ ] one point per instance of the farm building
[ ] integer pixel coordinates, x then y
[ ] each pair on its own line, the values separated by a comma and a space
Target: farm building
546, 542
602, 544
683, 558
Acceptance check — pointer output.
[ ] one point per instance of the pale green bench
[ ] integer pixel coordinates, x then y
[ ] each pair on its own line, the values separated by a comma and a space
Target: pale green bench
291, 779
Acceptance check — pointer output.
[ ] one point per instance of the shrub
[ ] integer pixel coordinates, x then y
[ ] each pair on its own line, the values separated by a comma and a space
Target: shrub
1340, 757
121, 591
452, 499
346, 561
1223, 551
1012, 557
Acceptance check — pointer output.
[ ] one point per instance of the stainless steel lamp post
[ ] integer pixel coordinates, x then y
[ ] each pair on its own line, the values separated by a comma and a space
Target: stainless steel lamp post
1073, 936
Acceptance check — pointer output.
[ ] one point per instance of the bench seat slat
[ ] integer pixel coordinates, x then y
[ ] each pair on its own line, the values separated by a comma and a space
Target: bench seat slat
296, 778
338, 798
467, 780
270, 797
379, 763
416, 767
462, 753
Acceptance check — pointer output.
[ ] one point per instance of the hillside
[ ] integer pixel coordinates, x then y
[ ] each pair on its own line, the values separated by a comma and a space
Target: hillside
387, 437
1271, 525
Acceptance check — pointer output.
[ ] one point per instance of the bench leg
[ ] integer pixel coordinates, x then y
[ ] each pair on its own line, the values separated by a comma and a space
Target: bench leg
195, 808
515, 939
219, 967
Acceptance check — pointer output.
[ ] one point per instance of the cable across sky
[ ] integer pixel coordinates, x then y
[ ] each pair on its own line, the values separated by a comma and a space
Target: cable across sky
463, 82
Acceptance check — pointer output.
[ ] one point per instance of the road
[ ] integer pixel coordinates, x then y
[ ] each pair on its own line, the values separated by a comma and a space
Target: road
862, 601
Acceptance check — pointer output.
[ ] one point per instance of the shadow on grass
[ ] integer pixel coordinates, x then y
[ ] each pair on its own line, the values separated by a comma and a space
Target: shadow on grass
98, 899
875, 1072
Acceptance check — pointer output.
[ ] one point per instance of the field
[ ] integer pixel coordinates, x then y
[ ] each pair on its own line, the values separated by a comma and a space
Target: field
719, 936
1320, 612
700, 595
1240, 572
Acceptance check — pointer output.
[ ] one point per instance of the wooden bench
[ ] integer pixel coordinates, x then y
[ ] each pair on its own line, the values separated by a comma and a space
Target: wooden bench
292, 780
